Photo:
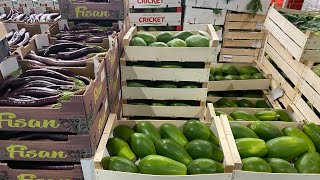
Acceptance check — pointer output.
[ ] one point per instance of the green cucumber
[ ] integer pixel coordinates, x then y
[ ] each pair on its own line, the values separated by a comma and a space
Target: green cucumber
251, 147
204, 149
171, 149
289, 131
309, 163
160, 165
281, 166
283, 115
122, 131
123, 165
148, 129
266, 116
241, 131
194, 129
172, 132
243, 116
266, 131
286, 147
204, 166
118, 147
313, 132
142, 145
255, 164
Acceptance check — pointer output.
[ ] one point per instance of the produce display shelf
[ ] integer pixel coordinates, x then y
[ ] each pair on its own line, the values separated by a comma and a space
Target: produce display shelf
305, 81
185, 54
243, 38
95, 171
302, 46
239, 174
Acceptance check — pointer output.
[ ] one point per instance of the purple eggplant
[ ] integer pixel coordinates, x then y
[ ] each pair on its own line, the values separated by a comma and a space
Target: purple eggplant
78, 53
25, 40
57, 47
35, 63
38, 92
45, 72
10, 101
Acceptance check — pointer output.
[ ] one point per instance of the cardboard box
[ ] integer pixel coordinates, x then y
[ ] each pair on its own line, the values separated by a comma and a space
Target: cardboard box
4, 46
114, 10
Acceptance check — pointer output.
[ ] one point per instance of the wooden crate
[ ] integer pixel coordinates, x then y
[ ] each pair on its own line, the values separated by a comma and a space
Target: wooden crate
154, 4
74, 172
234, 5
230, 85
302, 46
81, 143
201, 27
97, 172
204, 16
183, 54
243, 37
295, 115
305, 81
238, 174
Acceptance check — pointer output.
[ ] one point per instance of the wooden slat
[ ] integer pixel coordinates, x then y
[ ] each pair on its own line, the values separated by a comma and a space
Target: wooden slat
243, 35
164, 74
245, 17
242, 43
164, 93
237, 59
230, 85
239, 51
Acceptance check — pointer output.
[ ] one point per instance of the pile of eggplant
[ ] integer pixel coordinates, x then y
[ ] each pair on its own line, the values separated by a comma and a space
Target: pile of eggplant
63, 54
18, 38
85, 32
17, 16
41, 87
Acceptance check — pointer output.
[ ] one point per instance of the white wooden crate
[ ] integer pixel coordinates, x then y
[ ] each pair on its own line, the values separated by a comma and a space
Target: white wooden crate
302, 46
182, 54
93, 170
201, 27
144, 4
204, 16
238, 174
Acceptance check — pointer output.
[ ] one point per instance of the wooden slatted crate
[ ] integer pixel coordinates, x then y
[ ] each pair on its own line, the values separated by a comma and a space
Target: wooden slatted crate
302, 46
95, 170
243, 37
239, 174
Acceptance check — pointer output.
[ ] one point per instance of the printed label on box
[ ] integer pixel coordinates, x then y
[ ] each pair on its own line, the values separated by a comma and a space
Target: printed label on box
154, 3
227, 58
256, 44
8, 66
155, 19
259, 25
276, 93
42, 40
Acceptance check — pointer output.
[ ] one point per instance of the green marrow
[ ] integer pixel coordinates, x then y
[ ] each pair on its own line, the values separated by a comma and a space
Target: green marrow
148, 129
251, 147
142, 145
204, 166
266, 131
204, 149
172, 132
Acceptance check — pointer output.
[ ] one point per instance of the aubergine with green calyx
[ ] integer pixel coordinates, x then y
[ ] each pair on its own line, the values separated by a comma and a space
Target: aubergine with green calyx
45, 72
36, 102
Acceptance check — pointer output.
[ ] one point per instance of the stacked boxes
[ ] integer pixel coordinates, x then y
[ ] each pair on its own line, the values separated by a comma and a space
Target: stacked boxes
175, 78
156, 15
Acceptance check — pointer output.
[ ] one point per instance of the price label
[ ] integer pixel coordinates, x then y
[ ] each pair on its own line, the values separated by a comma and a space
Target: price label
42, 40
256, 44
259, 26
8, 66
276, 93
227, 58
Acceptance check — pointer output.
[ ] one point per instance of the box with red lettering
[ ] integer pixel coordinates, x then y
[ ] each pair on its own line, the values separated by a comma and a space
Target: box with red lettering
155, 12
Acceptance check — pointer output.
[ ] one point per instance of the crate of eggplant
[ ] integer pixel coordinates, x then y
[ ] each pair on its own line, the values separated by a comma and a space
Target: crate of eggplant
41, 51
83, 31
58, 106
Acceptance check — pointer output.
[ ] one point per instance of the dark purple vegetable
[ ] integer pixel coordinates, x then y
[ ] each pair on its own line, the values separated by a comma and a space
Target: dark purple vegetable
49, 79
9, 101
45, 72
81, 31
20, 17
39, 136
25, 40
10, 34
83, 79
39, 83
94, 40
17, 37
38, 92
78, 53
74, 37
63, 71
58, 47
23, 97
54, 62
34, 62
3, 16
62, 87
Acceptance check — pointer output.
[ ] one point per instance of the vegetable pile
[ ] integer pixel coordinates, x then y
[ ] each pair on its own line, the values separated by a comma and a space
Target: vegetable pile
164, 151
65, 53
40, 87
15, 15
167, 39
230, 72
267, 115
85, 32
227, 103
304, 22
19, 38
263, 147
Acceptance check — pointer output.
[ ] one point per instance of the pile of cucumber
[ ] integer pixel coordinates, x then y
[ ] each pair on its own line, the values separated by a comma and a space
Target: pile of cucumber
263, 147
164, 151
243, 103
230, 72
267, 115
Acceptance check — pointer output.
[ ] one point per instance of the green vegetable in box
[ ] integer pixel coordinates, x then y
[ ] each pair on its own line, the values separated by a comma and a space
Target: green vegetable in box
160, 165
122, 131
118, 147
309, 163
241, 131
229, 69
245, 103
148, 129
147, 37
243, 116
183, 35
171, 131
281, 166
251, 147
256, 164
204, 166
177, 43
199, 148
158, 44
164, 37
266, 131
142, 145
171, 149
197, 41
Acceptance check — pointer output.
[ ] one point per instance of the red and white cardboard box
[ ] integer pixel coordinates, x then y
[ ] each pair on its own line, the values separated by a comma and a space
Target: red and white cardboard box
141, 4
155, 19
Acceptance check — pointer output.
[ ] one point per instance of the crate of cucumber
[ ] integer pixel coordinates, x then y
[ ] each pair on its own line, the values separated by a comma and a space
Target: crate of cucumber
171, 45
